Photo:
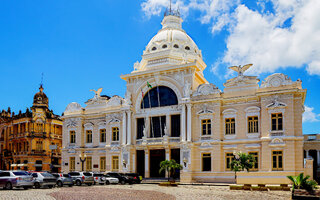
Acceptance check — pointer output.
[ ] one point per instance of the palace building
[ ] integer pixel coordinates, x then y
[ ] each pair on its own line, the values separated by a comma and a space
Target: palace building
31, 140
170, 111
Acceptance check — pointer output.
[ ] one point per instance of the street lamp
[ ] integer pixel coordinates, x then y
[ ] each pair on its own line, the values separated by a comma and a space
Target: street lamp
82, 159
185, 162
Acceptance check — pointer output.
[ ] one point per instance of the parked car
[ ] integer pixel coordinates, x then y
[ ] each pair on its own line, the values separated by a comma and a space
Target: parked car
136, 178
17, 179
98, 178
80, 178
43, 179
110, 180
63, 179
122, 179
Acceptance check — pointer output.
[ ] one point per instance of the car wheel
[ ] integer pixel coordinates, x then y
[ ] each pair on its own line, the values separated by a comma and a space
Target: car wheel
70, 185
122, 182
59, 184
89, 184
25, 187
107, 182
50, 186
78, 183
8, 186
37, 185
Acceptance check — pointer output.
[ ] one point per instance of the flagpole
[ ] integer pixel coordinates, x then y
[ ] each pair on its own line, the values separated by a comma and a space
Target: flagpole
159, 106
145, 118
150, 117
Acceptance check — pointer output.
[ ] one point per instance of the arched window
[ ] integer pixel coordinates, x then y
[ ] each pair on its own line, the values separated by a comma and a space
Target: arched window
159, 95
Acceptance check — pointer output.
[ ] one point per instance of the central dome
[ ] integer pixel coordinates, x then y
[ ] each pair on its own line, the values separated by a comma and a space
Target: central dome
172, 36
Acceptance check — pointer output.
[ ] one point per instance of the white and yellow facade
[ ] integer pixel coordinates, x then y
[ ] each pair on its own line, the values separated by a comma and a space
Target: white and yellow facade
191, 120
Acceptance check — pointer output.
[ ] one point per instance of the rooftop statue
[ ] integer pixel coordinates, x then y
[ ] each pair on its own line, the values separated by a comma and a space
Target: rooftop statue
240, 69
97, 93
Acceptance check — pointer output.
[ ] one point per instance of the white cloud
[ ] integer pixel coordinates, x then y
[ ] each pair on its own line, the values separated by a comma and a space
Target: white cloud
289, 36
309, 115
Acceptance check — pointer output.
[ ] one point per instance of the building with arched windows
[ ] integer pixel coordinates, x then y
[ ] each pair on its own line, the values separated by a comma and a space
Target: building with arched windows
170, 111
26, 138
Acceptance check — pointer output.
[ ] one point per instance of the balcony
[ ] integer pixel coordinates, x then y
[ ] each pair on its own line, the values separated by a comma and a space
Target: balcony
39, 135
38, 152
276, 133
158, 140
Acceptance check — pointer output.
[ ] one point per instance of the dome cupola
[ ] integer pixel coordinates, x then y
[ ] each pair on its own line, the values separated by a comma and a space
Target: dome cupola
40, 99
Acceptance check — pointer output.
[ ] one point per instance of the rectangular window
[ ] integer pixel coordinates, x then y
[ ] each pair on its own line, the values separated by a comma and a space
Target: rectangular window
102, 164
230, 126
89, 163
255, 156
102, 135
276, 122
115, 163
253, 124
39, 146
140, 127
206, 162
229, 159
206, 126
72, 137
157, 125
277, 160
72, 165
115, 134
175, 126
89, 136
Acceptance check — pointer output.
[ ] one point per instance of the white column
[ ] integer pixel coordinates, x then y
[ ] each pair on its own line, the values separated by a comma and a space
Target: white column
183, 123
307, 154
129, 128
189, 122
124, 128
168, 125
146, 163
318, 158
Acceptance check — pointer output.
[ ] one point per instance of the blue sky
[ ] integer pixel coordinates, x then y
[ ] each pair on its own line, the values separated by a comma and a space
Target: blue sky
82, 45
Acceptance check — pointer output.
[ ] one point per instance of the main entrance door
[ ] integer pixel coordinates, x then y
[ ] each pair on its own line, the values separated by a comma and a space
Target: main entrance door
140, 162
156, 156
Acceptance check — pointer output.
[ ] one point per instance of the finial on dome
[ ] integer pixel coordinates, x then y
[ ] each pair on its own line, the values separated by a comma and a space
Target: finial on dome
172, 12
41, 84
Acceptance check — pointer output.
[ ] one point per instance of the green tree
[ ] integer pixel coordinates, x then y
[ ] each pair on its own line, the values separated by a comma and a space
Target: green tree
170, 167
241, 162
301, 182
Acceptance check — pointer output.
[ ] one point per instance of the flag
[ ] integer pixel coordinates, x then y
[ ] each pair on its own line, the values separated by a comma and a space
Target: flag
149, 85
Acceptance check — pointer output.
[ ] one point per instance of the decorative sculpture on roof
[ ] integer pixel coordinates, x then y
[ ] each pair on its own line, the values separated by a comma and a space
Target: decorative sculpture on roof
206, 89
97, 93
240, 69
277, 79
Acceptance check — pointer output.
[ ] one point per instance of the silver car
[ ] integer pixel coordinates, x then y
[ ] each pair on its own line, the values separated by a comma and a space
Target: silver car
80, 178
63, 179
43, 179
18, 179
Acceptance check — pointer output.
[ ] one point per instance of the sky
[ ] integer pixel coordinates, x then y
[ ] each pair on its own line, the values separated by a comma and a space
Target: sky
80, 45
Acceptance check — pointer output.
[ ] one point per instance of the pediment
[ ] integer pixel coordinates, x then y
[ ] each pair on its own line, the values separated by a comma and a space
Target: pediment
207, 89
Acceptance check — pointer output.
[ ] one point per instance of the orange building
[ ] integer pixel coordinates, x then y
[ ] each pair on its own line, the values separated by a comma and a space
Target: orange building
31, 140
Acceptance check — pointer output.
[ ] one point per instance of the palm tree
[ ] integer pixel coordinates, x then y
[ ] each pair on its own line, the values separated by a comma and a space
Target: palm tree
301, 182
169, 166
241, 162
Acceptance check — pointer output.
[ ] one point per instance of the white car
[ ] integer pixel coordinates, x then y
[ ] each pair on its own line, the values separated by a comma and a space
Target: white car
110, 180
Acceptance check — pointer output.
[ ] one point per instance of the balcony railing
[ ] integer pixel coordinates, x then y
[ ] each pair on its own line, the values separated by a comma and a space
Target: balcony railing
277, 133
158, 140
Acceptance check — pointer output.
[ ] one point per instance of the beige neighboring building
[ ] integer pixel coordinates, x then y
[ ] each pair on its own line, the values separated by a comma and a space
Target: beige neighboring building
311, 149
170, 111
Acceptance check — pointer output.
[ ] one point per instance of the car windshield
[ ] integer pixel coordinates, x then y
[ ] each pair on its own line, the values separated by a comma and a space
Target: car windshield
87, 174
106, 175
20, 173
98, 175
66, 175
46, 175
